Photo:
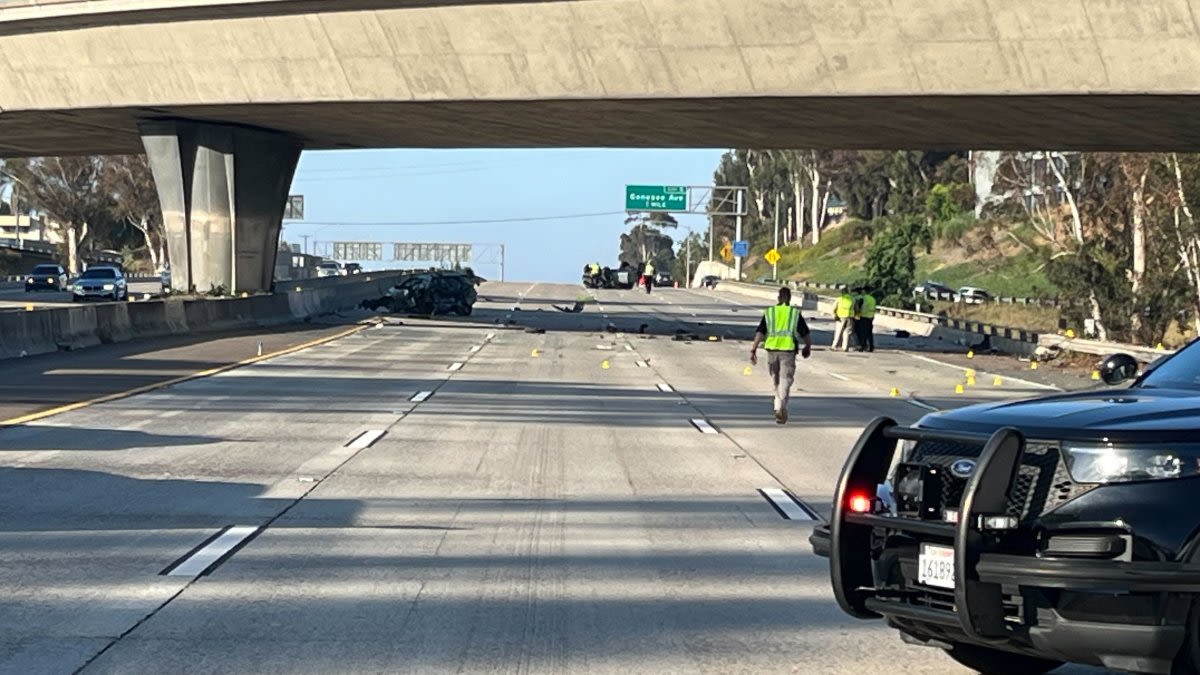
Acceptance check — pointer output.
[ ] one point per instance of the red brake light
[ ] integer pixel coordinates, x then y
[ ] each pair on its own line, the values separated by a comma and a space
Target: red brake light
860, 503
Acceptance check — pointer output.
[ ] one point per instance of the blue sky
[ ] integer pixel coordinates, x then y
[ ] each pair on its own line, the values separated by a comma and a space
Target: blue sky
408, 189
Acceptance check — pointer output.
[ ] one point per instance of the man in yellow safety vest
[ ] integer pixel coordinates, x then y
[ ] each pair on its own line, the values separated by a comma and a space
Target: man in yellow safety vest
864, 321
843, 318
782, 328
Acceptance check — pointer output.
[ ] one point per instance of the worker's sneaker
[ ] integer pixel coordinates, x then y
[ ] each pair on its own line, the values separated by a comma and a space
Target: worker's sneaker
780, 417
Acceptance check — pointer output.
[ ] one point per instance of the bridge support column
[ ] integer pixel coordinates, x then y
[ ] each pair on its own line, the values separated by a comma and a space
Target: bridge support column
223, 190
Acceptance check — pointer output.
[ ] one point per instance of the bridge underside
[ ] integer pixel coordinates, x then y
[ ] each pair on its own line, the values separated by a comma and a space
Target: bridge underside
1075, 122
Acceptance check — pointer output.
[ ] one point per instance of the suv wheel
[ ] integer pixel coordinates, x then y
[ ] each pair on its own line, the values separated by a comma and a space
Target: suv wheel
998, 662
1188, 660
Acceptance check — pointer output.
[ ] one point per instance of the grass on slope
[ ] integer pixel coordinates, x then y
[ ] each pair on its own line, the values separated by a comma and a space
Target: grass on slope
984, 256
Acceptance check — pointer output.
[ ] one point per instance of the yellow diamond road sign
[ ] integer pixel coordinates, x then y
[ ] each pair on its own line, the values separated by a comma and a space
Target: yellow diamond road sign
773, 256
727, 251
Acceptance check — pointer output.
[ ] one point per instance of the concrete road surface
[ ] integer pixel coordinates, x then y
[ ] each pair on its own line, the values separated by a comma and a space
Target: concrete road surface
466, 495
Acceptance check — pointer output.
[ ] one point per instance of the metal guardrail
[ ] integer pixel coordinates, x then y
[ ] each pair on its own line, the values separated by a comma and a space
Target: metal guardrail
978, 327
949, 297
1032, 337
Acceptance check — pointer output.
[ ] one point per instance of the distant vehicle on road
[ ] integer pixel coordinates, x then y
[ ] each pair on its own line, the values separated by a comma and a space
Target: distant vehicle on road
46, 277
100, 282
352, 268
710, 281
1017, 535
662, 279
972, 295
166, 278
934, 290
330, 268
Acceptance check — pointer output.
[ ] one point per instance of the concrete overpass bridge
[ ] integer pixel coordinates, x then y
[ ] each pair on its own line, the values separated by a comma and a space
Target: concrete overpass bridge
224, 94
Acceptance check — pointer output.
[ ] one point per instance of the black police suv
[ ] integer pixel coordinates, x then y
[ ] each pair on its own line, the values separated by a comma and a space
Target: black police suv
1017, 536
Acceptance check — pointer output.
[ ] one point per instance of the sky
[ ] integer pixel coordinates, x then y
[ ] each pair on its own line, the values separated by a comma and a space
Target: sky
563, 208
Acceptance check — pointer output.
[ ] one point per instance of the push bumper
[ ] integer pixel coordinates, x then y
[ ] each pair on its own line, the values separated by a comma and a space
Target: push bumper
989, 579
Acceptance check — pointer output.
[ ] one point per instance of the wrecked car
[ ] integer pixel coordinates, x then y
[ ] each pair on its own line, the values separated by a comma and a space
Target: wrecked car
434, 292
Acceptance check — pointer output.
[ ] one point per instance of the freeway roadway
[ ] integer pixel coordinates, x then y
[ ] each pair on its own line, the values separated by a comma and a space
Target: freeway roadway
13, 295
526, 490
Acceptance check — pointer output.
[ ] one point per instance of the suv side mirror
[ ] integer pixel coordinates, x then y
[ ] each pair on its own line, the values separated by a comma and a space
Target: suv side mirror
1118, 368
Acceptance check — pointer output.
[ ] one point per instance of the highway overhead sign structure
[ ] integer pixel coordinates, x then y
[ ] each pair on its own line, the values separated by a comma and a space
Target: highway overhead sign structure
294, 209
772, 257
358, 250
656, 198
453, 254
741, 249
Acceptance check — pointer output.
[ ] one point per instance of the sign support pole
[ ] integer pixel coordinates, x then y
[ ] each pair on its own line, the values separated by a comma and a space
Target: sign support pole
737, 261
775, 265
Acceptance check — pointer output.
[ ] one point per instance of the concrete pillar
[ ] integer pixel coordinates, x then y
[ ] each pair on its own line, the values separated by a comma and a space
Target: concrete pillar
223, 190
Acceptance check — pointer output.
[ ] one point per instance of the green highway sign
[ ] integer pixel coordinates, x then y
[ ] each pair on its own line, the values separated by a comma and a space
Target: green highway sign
656, 198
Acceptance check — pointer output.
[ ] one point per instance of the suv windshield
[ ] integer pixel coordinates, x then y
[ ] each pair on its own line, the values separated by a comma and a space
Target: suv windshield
99, 273
46, 269
329, 266
1181, 371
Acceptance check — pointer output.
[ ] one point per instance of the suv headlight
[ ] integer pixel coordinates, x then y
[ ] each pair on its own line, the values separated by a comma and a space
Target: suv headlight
109, 287
1126, 464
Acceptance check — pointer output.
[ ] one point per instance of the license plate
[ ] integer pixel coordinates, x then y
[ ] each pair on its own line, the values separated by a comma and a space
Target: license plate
935, 566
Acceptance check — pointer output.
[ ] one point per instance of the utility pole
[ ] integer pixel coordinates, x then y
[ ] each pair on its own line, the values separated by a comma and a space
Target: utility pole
305, 238
501, 263
737, 259
687, 260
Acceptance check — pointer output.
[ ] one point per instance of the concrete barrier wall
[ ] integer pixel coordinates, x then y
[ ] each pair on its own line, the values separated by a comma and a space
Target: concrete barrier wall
25, 333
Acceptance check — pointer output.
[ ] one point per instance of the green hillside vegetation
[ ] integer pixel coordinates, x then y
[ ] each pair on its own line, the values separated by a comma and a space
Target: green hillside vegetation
1003, 258
1113, 236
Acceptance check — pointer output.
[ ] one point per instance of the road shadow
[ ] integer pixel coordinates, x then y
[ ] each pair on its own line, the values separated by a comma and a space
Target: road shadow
36, 499
40, 438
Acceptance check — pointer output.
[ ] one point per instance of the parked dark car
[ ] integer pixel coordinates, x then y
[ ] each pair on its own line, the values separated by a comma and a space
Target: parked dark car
46, 278
100, 282
710, 281
934, 291
1017, 536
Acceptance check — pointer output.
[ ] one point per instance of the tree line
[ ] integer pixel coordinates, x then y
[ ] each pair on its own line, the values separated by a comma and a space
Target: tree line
1116, 233
95, 202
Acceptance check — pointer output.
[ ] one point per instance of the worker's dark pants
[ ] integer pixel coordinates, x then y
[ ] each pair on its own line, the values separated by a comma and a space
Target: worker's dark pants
649, 283
864, 333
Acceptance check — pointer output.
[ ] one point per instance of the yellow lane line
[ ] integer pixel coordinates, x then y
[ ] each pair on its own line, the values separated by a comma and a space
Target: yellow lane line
33, 417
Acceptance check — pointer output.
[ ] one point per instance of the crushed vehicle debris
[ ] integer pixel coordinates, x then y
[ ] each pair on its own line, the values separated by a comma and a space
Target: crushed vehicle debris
431, 292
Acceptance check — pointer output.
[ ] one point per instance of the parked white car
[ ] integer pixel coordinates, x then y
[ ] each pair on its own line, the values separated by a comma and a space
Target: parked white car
330, 268
973, 296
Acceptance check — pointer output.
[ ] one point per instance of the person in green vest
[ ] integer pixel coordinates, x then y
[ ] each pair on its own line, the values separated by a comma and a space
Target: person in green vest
843, 317
864, 321
781, 331
648, 276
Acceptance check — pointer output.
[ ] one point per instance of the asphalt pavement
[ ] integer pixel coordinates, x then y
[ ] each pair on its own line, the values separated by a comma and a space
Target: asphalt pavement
530, 489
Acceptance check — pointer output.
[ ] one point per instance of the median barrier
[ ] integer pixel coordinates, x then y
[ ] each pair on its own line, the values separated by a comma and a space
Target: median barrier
25, 333
112, 322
